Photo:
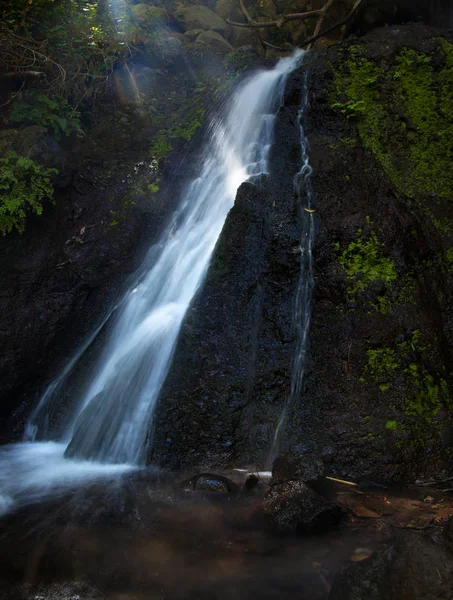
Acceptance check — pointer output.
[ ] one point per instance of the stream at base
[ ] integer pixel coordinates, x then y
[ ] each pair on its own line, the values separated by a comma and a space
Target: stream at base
145, 536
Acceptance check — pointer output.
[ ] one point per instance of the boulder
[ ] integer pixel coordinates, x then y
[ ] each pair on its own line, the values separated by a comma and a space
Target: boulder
210, 482
229, 9
213, 41
200, 17
303, 468
172, 48
242, 36
192, 34
292, 507
148, 16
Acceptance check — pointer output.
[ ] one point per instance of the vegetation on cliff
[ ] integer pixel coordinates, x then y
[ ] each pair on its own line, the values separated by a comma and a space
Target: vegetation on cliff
402, 108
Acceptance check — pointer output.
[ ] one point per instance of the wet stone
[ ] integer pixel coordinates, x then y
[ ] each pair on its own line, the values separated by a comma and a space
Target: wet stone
292, 507
302, 468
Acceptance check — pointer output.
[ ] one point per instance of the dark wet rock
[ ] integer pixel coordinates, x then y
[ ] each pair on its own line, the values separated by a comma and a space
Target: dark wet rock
292, 507
303, 468
413, 567
369, 579
210, 482
252, 484
72, 590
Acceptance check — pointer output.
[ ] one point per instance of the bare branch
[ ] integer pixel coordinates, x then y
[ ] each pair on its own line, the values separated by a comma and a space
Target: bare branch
22, 74
281, 21
330, 29
321, 14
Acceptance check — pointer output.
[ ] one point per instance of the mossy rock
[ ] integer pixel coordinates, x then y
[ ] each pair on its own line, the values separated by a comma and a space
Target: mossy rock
229, 9
402, 110
147, 16
200, 17
213, 41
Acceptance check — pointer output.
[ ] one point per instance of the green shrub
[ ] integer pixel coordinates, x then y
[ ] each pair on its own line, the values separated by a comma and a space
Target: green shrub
24, 184
54, 113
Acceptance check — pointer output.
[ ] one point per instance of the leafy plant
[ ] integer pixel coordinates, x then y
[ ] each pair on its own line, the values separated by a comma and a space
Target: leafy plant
54, 113
24, 185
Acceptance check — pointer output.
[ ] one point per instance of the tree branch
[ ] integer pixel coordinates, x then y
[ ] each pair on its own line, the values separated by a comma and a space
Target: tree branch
22, 74
281, 21
333, 27
322, 13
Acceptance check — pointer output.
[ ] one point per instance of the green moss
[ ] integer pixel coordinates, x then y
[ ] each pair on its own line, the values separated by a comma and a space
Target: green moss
153, 188
414, 395
402, 109
444, 260
364, 262
163, 144
380, 367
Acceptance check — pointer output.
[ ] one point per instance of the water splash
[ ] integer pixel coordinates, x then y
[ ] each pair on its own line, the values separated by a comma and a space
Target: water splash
302, 305
30, 473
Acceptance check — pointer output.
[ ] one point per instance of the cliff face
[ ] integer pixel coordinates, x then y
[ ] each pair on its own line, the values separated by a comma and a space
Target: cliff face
377, 391
232, 366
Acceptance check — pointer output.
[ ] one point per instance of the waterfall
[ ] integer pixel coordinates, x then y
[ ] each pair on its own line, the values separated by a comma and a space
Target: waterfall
112, 416
302, 304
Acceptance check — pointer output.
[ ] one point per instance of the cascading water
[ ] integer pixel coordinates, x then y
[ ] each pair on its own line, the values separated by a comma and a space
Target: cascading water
302, 307
111, 419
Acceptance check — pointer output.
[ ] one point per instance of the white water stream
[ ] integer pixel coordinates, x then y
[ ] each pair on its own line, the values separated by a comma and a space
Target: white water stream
112, 418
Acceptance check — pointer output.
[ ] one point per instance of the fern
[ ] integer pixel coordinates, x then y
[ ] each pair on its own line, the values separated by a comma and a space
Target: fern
54, 113
24, 185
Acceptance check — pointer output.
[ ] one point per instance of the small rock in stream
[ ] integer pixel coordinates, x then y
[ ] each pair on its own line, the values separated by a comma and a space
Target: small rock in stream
292, 507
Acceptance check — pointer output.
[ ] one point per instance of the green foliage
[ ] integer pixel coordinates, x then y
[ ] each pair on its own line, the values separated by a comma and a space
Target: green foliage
72, 45
402, 109
38, 109
24, 185
364, 262
163, 143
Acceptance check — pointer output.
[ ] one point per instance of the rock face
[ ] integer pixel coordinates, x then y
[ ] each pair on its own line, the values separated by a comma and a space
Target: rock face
377, 394
377, 391
292, 507
232, 366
